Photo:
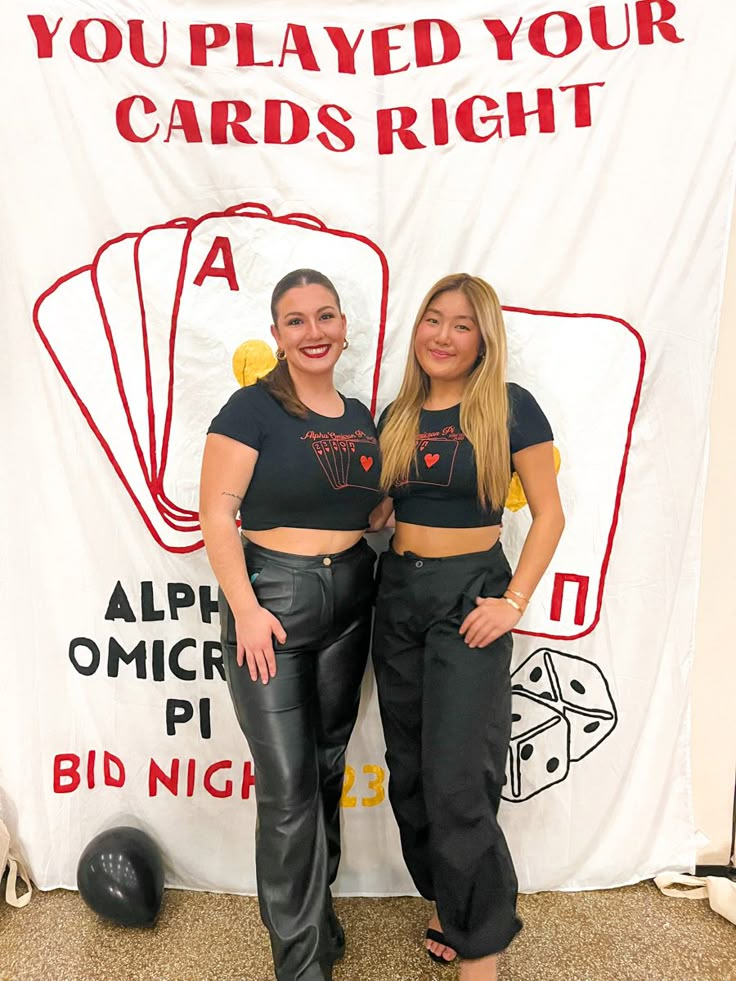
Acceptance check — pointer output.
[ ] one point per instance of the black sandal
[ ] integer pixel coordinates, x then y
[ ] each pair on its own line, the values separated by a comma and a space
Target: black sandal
439, 938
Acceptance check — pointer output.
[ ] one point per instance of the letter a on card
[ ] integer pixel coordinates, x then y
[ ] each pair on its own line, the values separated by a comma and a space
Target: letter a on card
211, 319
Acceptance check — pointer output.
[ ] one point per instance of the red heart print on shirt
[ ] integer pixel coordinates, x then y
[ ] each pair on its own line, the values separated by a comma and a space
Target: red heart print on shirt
366, 462
430, 459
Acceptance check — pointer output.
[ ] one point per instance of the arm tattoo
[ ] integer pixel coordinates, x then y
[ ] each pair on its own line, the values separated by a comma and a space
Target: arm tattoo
238, 497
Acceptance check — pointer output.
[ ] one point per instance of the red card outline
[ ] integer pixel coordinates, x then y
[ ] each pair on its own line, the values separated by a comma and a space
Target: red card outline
178, 519
624, 462
159, 494
260, 211
180, 549
155, 483
256, 210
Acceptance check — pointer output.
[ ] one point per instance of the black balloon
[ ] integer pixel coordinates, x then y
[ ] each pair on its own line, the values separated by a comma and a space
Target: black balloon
120, 875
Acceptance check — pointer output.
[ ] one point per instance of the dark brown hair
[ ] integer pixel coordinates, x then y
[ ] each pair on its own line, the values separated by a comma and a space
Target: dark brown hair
278, 382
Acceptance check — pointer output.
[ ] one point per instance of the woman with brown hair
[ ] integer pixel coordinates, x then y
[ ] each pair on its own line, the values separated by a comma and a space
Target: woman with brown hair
447, 602
300, 462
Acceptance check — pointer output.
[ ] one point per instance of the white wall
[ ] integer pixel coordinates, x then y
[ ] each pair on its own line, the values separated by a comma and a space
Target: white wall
714, 682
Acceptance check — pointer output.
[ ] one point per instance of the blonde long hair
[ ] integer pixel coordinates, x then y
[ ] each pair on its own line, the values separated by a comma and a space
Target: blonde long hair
484, 409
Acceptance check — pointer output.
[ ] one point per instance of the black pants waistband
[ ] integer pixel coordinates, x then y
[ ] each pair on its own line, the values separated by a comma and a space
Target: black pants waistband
294, 561
464, 558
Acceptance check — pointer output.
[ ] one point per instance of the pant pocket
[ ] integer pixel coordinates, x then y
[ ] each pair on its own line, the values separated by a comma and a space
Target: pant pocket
497, 577
369, 577
377, 575
227, 621
274, 587
476, 587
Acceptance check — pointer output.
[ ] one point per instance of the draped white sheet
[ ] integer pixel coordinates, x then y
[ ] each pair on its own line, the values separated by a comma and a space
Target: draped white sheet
135, 266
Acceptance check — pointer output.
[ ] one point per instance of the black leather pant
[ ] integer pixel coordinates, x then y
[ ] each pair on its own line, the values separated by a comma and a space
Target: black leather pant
297, 727
446, 713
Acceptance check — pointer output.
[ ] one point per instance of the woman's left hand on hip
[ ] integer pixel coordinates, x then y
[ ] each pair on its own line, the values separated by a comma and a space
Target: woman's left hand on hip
490, 619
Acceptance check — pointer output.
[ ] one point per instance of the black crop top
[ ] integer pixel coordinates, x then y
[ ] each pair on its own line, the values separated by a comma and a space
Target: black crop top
442, 490
317, 472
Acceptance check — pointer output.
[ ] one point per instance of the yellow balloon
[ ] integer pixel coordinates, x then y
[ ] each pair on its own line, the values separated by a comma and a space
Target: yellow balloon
251, 361
516, 500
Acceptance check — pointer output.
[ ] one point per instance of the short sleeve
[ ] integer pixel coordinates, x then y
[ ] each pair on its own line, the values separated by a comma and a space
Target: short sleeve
383, 418
363, 417
528, 425
241, 417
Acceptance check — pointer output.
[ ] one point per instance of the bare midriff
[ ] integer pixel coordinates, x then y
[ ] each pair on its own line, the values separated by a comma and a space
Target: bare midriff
438, 543
303, 541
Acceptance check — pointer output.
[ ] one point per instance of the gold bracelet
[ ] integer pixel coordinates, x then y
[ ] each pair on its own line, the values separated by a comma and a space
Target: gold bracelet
516, 592
514, 604
523, 598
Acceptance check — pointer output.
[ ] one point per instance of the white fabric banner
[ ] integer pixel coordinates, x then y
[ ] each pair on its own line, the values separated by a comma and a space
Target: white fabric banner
163, 169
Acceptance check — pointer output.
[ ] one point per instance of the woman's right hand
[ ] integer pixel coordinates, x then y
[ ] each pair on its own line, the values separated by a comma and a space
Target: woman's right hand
255, 632
381, 515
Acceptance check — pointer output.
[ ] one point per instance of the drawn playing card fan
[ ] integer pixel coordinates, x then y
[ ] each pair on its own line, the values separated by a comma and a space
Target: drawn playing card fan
72, 328
145, 339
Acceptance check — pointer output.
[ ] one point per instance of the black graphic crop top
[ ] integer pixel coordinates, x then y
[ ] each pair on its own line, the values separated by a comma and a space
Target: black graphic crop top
316, 472
442, 490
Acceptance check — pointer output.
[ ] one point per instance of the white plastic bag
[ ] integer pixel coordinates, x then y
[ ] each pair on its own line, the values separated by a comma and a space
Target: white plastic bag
15, 868
718, 890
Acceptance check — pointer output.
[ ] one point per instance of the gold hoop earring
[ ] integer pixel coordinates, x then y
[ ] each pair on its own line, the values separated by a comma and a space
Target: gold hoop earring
346, 344
280, 355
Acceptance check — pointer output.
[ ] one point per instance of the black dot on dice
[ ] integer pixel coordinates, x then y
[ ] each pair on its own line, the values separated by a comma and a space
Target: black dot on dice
552, 764
536, 674
591, 727
547, 694
577, 686
517, 688
515, 717
526, 751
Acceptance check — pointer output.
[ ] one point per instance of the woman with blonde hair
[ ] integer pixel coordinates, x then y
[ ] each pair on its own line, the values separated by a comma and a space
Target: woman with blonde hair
447, 603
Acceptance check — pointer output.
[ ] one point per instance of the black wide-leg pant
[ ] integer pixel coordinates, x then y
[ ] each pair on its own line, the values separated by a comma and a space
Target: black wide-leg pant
446, 713
297, 727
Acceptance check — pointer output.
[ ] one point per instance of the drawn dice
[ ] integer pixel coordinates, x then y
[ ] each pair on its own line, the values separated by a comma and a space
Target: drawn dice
587, 701
535, 676
577, 688
539, 751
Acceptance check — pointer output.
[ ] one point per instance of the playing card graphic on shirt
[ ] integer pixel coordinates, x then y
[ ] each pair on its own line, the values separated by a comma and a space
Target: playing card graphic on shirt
361, 459
435, 460
322, 448
347, 460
